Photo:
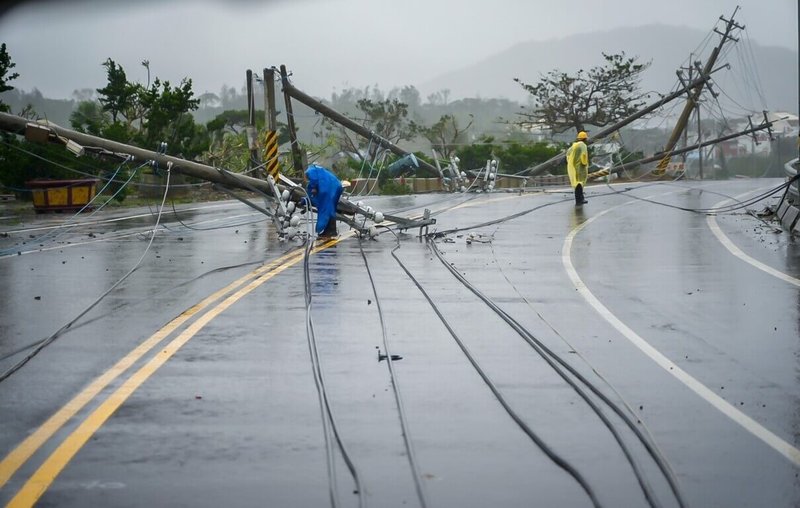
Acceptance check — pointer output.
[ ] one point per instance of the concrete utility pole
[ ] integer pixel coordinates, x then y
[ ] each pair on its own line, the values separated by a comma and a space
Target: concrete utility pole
540, 168
19, 125
690, 70
52, 133
699, 139
297, 156
679, 72
270, 116
694, 95
252, 137
342, 120
698, 146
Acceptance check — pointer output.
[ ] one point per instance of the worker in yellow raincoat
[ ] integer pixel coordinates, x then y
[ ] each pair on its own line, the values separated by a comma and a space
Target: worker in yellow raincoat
578, 166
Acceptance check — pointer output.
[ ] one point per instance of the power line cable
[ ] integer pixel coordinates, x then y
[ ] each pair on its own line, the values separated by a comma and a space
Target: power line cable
328, 418
540, 443
68, 225
411, 454
5, 375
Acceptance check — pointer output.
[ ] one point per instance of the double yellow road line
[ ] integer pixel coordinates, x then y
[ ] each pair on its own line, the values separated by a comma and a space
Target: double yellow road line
212, 306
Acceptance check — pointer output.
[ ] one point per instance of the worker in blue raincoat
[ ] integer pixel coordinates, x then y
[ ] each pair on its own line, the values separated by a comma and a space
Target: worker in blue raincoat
324, 190
578, 166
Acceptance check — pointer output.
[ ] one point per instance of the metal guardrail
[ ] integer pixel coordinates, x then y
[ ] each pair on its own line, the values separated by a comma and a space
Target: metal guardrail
790, 170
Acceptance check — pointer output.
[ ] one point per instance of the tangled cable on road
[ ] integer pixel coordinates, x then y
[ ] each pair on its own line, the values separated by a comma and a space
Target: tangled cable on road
568, 373
123, 305
326, 410
70, 223
560, 366
551, 454
49, 340
412, 457
721, 209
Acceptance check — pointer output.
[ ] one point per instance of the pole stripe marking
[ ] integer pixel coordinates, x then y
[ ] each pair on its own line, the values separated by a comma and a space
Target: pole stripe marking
271, 141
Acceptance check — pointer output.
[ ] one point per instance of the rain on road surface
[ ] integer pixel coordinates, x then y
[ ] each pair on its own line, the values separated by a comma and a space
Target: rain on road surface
616, 355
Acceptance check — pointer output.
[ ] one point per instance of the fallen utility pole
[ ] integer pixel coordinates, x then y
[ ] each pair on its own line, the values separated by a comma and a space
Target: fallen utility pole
49, 132
540, 168
342, 120
694, 95
661, 155
19, 125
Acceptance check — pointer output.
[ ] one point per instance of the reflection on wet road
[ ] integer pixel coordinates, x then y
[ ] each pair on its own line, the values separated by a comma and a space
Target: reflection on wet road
191, 382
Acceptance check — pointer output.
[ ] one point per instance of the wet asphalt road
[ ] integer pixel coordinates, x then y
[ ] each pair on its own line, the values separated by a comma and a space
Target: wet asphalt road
224, 411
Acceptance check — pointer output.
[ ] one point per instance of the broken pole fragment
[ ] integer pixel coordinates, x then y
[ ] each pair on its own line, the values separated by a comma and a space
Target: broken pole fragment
290, 91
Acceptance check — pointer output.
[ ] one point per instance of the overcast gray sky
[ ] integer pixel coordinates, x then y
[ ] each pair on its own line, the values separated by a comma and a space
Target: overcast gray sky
329, 45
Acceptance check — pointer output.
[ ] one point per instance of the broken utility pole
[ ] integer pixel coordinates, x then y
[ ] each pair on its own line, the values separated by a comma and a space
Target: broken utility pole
290, 91
19, 125
662, 155
47, 132
694, 94
540, 168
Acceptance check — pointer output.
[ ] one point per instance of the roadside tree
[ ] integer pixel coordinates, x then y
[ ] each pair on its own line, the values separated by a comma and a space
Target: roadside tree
144, 116
445, 135
598, 97
5, 66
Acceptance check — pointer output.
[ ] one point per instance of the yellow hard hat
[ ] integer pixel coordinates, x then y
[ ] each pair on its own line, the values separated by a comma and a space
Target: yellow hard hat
582, 135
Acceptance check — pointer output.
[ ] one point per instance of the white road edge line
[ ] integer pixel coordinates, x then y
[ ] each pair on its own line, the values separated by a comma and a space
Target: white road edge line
733, 249
750, 425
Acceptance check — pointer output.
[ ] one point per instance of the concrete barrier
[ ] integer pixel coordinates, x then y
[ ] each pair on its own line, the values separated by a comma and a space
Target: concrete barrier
781, 211
789, 219
549, 180
422, 185
504, 182
152, 186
